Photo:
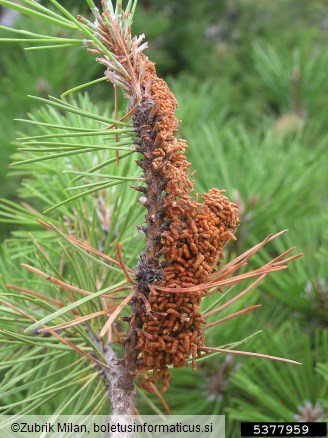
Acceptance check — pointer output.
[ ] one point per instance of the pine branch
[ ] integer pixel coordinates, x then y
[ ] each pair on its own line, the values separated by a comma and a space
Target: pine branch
185, 236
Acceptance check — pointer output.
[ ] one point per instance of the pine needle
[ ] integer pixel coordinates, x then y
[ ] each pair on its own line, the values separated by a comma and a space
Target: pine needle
77, 320
219, 278
60, 338
55, 280
72, 306
34, 294
122, 264
115, 314
237, 297
161, 399
233, 315
247, 353
80, 87
79, 243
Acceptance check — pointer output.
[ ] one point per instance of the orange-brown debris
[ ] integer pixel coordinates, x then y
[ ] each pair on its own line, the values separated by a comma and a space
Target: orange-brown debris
192, 239
185, 238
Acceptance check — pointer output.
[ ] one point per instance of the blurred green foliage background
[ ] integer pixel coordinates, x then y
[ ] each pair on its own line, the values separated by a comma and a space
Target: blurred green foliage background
251, 81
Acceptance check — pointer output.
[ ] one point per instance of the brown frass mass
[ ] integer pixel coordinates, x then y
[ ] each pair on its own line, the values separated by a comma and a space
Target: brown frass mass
185, 238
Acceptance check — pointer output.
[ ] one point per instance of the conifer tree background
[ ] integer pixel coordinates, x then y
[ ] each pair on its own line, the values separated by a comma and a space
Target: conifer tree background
252, 97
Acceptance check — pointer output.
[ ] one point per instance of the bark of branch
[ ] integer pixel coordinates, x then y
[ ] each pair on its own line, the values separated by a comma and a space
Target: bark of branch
149, 268
119, 384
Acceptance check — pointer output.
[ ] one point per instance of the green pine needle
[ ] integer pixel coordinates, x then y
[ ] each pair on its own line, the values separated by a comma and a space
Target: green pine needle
42, 16
72, 306
43, 40
80, 195
50, 125
85, 29
25, 32
70, 108
56, 46
103, 175
80, 87
103, 164
51, 157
